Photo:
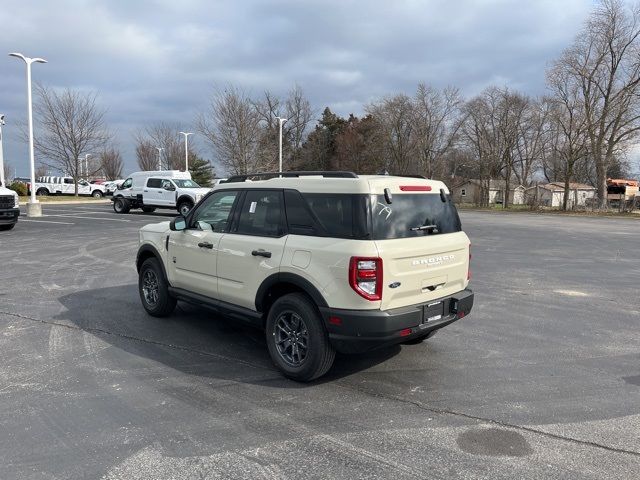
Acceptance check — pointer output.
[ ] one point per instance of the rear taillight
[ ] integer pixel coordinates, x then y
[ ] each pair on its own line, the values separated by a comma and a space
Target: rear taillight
469, 268
365, 277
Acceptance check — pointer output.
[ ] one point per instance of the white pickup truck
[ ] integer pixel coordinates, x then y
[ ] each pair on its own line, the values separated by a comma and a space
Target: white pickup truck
9, 209
160, 189
65, 186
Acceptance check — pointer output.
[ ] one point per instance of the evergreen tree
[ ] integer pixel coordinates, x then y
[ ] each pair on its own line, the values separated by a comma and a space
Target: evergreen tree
201, 170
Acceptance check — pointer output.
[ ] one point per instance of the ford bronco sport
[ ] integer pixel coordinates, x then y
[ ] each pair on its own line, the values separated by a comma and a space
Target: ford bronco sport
322, 261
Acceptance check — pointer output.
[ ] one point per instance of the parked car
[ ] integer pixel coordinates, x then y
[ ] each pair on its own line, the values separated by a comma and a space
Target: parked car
9, 208
160, 189
322, 261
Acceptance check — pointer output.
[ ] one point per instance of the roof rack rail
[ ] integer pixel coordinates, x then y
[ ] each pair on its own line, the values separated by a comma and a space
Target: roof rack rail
323, 173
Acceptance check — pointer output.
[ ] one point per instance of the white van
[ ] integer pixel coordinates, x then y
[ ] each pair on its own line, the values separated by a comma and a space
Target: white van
158, 189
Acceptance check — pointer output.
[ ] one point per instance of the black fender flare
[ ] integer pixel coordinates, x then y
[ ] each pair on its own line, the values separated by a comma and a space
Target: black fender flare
184, 197
292, 278
146, 248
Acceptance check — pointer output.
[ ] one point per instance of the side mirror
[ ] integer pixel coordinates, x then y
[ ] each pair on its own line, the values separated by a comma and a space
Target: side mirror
178, 224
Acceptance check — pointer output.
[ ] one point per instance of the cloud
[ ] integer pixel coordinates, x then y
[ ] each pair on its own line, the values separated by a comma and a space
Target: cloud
159, 60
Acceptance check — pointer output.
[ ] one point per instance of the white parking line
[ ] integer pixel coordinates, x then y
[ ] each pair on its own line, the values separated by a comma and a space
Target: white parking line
45, 221
57, 210
88, 218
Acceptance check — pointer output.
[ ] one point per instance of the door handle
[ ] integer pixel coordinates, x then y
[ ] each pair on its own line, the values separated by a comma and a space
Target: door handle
206, 245
146, 190
261, 253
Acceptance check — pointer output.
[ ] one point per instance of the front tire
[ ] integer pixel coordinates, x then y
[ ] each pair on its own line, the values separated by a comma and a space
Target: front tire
184, 207
154, 289
121, 205
96, 194
7, 227
297, 340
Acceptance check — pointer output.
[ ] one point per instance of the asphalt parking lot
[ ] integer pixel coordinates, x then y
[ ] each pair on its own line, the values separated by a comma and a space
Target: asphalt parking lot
542, 380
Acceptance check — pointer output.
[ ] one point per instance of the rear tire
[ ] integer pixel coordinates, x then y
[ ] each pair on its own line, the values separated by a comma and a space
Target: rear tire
7, 227
184, 207
121, 205
148, 209
96, 194
297, 340
154, 289
42, 192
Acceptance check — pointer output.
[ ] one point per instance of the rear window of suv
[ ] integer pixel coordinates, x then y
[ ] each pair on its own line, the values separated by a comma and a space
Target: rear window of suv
369, 216
413, 215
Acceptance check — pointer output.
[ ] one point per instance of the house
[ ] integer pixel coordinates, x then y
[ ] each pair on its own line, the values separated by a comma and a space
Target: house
470, 191
552, 194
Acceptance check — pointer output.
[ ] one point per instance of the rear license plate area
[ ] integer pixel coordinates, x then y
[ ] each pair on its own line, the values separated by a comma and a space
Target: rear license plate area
433, 312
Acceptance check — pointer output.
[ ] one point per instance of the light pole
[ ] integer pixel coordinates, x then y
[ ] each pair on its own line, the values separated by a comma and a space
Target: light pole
2, 179
281, 121
186, 149
86, 166
159, 157
34, 209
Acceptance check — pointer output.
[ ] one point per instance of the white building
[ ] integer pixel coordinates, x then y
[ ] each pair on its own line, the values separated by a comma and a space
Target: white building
552, 194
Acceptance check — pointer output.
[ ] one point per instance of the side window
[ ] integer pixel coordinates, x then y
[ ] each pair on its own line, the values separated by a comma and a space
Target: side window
126, 184
299, 217
213, 213
154, 183
68, 181
167, 185
464, 192
261, 214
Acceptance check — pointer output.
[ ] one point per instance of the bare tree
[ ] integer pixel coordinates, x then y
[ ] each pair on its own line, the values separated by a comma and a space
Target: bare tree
231, 125
533, 142
71, 125
604, 63
298, 112
569, 123
111, 163
481, 132
166, 136
146, 155
395, 117
436, 118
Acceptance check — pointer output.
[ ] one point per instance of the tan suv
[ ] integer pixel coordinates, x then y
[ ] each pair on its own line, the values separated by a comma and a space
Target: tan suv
323, 261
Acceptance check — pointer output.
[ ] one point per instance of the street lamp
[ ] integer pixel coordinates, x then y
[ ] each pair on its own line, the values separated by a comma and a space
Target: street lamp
2, 179
34, 209
281, 121
159, 157
186, 149
86, 166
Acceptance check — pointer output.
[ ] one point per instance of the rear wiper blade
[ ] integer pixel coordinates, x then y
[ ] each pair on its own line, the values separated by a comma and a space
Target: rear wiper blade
424, 227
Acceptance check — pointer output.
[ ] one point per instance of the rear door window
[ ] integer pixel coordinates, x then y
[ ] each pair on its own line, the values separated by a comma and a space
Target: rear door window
154, 183
261, 214
413, 215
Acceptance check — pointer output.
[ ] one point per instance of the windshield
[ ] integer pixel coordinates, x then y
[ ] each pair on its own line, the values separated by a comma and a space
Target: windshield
186, 183
407, 213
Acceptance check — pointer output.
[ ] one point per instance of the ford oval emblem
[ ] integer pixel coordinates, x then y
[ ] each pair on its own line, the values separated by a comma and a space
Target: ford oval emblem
394, 285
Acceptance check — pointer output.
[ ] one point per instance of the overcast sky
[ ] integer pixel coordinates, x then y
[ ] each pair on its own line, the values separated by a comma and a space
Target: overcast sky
161, 60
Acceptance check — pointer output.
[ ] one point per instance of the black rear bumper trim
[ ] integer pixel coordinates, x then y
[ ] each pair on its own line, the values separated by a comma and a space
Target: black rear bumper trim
362, 330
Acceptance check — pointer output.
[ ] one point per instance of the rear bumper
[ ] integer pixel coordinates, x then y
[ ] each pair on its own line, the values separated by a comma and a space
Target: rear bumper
354, 331
9, 215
